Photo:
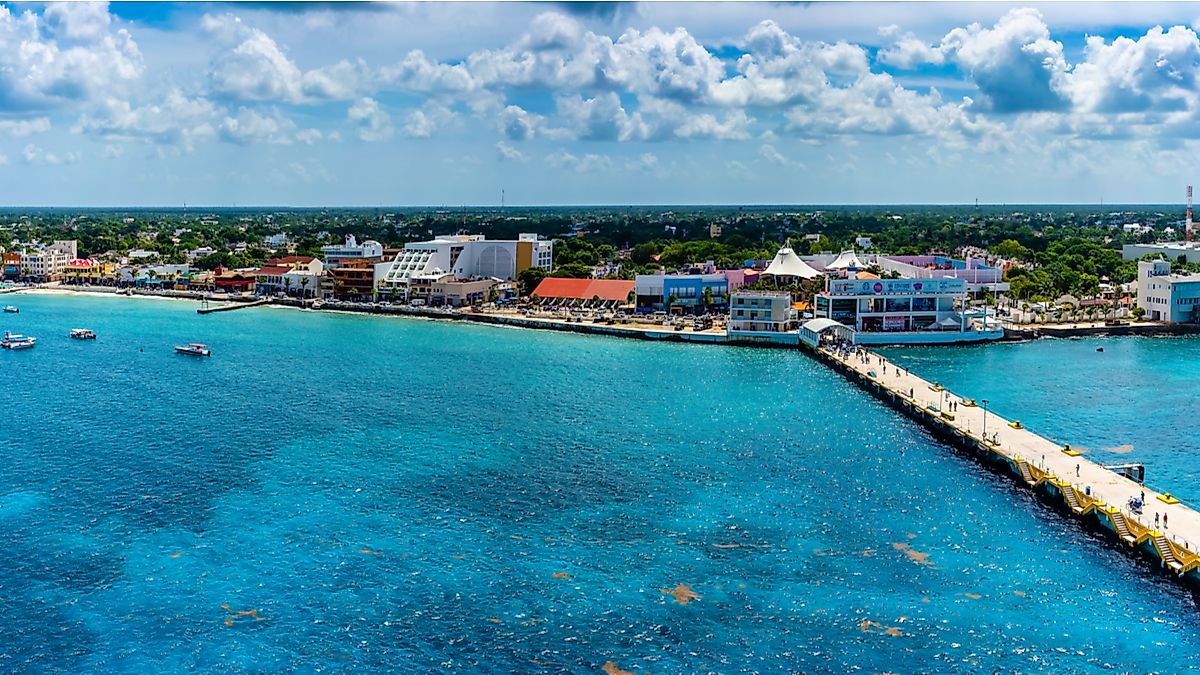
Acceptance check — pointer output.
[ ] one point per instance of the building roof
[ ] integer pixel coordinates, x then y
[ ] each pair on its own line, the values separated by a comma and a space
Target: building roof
788, 264
302, 259
585, 289
818, 325
274, 270
845, 260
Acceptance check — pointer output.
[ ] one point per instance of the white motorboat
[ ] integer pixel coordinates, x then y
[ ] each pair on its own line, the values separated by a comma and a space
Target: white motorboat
83, 334
15, 341
11, 309
194, 349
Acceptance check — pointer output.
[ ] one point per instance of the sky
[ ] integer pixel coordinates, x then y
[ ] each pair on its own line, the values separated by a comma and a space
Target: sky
431, 104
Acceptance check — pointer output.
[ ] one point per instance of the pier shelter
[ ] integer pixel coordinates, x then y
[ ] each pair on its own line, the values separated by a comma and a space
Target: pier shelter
811, 331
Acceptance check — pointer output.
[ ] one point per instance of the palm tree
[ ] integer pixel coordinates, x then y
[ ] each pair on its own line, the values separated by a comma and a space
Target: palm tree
287, 285
303, 286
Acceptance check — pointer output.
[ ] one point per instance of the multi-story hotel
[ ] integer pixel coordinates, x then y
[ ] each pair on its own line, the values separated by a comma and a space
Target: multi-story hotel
465, 257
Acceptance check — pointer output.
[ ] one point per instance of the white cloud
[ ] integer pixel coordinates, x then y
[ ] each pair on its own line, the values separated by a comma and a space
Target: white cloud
69, 53
1156, 72
600, 119
37, 155
23, 128
176, 121
424, 122
587, 163
509, 153
254, 126
370, 120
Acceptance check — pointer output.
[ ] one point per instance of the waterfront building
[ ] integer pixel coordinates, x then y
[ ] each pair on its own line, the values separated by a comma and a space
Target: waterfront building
901, 311
466, 257
351, 280
87, 270
46, 263
1165, 296
762, 316
293, 275
234, 281
10, 265
352, 250
608, 291
978, 275
1175, 251
685, 291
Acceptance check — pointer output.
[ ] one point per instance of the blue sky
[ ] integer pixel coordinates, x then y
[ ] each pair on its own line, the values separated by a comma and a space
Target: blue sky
631, 103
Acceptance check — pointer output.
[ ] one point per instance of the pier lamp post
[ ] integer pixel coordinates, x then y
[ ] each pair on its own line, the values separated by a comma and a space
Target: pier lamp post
984, 402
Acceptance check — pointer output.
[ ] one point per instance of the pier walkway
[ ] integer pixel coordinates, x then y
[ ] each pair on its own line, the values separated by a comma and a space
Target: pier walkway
1086, 488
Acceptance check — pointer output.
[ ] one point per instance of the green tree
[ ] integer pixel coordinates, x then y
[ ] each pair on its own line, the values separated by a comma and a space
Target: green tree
1012, 249
529, 279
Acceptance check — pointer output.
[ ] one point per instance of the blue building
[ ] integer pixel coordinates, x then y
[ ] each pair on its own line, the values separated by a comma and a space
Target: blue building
656, 291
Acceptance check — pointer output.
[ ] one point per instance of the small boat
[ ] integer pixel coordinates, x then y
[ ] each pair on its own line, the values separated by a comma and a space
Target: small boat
83, 334
11, 310
194, 349
15, 341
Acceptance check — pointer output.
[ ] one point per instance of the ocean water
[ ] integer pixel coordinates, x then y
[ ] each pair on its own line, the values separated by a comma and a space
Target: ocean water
336, 492
1135, 401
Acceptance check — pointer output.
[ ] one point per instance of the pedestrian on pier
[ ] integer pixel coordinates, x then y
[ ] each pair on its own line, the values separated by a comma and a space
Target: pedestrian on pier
1077, 471
1143, 496
1164, 521
1156, 518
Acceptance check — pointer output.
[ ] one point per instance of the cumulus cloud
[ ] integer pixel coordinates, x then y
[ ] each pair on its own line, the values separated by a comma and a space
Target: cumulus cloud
424, 122
370, 120
70, 53
254, 126
23, 128
175, 121
1155, 72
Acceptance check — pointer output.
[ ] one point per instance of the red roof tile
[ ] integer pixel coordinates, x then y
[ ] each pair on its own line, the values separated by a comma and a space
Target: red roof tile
584, 289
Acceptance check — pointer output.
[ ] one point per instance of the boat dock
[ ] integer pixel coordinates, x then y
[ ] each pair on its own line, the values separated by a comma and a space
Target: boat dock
229, 307
1083, 488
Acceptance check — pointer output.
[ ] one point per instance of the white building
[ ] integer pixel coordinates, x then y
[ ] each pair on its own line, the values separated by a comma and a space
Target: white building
467, 257
902, 311
201, 252
352, 249
47, 262
1171, 250
756, 316
1165, 296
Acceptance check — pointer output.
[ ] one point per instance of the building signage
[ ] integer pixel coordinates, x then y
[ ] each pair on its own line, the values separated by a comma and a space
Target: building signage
896, 286
894, 322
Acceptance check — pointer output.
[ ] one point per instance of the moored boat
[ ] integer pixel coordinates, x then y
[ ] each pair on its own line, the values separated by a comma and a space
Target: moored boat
193, 349
83, 334
15, 341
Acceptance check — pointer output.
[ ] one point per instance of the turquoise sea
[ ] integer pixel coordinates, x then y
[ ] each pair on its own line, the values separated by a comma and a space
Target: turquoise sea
336, 493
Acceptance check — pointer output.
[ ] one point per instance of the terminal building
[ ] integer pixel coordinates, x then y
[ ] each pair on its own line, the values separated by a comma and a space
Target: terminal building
902, 311
465, 257
758, 316
1165, 296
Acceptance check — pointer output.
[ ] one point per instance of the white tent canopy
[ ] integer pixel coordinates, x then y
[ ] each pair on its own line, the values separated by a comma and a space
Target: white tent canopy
845, 260
788, 264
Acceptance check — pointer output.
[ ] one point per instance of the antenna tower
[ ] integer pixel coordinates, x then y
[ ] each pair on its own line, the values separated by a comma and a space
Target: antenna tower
1187, 223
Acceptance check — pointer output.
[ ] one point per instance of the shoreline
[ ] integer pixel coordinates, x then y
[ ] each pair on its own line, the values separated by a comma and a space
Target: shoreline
636, 332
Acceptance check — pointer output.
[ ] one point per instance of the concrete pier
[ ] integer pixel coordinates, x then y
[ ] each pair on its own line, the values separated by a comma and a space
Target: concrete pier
1080, 486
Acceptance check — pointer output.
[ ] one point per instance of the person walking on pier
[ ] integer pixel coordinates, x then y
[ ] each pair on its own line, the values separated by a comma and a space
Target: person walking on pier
1077, 471
1164, 521
1156, 518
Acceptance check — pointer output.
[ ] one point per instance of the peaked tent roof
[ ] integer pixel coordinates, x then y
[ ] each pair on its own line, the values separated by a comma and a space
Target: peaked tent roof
845, 260
788, 264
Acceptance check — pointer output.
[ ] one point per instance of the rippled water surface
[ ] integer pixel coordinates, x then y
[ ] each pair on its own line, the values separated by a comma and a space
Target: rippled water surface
333, 492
